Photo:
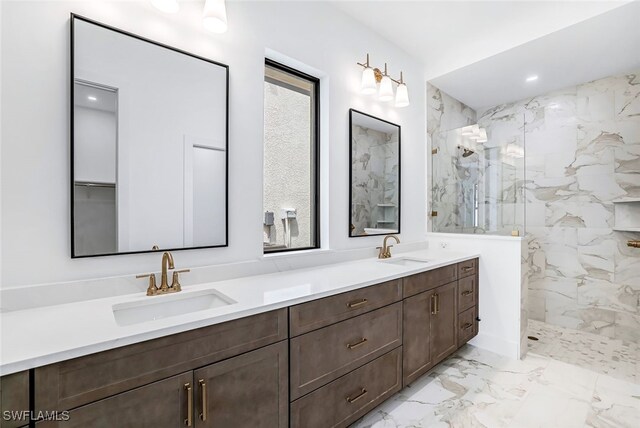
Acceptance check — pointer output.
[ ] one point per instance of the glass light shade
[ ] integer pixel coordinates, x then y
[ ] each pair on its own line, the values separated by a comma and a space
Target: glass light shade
214, 17
167, 6
368, 85
402, 96
482, 136
386, 89
470, 130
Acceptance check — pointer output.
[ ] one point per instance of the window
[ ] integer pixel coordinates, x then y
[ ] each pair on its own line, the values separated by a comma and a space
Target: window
290, 160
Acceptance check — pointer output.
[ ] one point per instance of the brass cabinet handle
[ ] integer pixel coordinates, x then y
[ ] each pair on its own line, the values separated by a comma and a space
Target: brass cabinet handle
357, 344
437, 296
433, 304
467, 268
467, 326
355, 398
203, 399
468, 292
357, 303
189, 420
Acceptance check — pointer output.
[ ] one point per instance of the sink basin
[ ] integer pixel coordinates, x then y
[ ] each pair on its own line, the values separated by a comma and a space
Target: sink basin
406, 261
172, 305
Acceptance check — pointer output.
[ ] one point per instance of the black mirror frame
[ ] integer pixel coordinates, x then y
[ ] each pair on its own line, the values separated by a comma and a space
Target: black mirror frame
71, 137
351, 112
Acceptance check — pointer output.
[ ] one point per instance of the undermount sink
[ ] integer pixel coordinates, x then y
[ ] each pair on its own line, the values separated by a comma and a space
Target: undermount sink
158, 307
406, 261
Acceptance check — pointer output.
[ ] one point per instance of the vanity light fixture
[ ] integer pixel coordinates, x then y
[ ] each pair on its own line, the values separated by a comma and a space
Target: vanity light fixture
166, 6
214, 17
372, 76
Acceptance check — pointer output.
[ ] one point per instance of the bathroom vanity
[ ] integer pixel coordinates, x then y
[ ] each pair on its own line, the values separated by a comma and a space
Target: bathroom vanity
324, 362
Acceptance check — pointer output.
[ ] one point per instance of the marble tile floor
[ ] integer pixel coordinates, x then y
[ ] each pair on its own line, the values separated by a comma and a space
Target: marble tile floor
476, 388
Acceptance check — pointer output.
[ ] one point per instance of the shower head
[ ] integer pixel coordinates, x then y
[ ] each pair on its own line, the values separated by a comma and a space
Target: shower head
466, 152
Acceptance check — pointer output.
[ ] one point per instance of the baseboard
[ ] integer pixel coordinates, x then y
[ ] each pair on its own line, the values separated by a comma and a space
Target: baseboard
496, 345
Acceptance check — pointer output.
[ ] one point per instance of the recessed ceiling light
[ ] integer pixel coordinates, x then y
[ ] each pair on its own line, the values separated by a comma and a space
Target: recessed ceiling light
532, 78
92, 98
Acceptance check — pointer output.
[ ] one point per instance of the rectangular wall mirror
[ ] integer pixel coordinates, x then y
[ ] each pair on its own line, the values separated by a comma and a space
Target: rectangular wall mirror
149, 145
374, 192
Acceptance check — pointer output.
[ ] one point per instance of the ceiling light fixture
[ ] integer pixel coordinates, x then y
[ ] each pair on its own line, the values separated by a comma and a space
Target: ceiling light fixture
214, 17
532, 78
372, 76
92, 98
166, 6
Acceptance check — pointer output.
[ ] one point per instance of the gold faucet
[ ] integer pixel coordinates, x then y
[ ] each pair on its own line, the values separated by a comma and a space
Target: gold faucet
634, 244
385, 250
167, 263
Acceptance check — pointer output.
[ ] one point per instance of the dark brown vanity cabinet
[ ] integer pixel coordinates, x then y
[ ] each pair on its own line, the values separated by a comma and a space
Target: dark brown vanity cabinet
158, 384
14, 397
434, 326
250, 390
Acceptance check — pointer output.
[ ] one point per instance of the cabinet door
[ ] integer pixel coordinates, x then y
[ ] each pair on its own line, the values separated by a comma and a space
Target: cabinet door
416, 336
160, 404
250, 390
444, 339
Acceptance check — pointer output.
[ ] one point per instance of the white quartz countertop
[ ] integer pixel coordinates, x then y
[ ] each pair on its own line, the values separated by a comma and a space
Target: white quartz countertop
45, 335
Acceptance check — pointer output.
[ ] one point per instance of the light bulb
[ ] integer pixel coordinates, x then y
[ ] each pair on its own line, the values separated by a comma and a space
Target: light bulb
368, 84
167, 6
386, 89
402, 96
214, 17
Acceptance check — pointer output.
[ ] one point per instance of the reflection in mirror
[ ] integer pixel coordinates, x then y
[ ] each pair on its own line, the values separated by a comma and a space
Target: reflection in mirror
149, 145
374, 176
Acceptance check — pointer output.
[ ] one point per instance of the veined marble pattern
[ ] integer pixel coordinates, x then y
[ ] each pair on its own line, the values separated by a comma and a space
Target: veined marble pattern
582, 153
374, 173
476, 388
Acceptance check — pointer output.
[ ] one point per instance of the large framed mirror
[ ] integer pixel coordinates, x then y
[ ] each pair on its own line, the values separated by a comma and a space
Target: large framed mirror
374, 175
149, 145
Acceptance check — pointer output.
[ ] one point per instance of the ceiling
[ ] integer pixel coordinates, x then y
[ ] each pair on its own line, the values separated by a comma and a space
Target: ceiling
606, 45
447, 35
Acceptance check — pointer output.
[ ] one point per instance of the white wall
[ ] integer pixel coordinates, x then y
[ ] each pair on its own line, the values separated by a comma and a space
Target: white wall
35, 205
500, 288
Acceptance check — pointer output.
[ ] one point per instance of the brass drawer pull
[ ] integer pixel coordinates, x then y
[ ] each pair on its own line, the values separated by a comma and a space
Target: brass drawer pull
467, 326
189, 420
467, 268
203, 399
362, 393
468, 292
357, 303
357, 344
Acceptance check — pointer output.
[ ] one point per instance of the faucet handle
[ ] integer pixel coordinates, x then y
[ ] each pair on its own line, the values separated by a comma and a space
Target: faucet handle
175, 282
152, 289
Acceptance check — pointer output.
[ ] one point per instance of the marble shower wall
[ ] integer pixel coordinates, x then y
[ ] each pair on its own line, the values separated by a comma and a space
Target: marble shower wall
445, 114
481, 193
582, 153
374, 171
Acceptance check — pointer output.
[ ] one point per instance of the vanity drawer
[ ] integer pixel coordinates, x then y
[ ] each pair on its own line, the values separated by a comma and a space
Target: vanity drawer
467, 292
468, 267
428, 280
319, 313
323, 355
83, 380
343, 401
467, 325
